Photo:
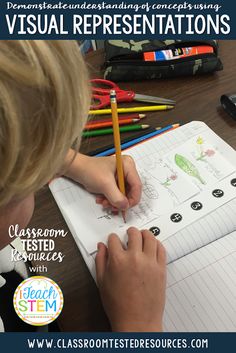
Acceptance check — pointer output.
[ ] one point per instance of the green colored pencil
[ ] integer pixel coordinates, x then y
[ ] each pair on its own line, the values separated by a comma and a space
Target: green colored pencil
101, 132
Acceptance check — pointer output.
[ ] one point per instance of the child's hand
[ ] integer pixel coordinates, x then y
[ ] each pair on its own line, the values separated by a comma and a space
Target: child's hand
98, 176
132, 282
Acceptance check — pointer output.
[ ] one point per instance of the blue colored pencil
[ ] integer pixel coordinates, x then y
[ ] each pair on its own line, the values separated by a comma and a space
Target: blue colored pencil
138, 140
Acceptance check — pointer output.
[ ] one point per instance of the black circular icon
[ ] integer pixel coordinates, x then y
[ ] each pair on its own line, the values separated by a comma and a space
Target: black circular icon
176, 217
217, 193
233, 182
196, 205
155, 231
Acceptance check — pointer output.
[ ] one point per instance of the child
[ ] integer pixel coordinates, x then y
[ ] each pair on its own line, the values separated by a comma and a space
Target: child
44, 102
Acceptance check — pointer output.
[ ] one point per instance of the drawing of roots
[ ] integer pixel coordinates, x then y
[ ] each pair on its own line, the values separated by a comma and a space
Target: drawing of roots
150, 191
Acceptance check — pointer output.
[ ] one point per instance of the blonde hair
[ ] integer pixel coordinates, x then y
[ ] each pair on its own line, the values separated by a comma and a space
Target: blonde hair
44, 100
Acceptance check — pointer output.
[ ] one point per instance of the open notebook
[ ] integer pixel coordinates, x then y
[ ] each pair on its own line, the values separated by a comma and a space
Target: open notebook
189, 202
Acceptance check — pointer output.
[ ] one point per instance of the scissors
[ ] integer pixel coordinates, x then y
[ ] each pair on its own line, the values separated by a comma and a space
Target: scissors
101, 94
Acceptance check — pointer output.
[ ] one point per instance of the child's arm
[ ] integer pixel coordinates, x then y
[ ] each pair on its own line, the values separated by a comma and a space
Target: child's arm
98, 175
132, 282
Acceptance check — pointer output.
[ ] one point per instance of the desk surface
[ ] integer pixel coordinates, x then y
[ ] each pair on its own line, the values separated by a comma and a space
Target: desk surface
197, 99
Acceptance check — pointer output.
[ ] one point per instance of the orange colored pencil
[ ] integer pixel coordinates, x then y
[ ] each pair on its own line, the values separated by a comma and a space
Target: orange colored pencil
109, 124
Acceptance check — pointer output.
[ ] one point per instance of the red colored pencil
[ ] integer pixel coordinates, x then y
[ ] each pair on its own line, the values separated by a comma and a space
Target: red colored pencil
124, 117
109, 124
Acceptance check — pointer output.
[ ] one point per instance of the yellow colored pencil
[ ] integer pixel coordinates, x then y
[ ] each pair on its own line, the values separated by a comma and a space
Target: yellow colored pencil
116, 134
151, 108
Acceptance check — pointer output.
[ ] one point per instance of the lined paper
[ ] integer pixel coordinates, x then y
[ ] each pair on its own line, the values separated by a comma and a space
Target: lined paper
217, 219
201, 289
206, 230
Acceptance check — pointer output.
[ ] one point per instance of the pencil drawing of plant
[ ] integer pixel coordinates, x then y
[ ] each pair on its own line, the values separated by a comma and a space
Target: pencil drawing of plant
203, 154
169, 179
150, 191
188, 167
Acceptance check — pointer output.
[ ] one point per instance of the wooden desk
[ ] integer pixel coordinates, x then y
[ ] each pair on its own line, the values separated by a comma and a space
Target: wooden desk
197, 99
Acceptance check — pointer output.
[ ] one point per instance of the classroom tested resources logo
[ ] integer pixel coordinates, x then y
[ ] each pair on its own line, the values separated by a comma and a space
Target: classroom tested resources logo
38, 300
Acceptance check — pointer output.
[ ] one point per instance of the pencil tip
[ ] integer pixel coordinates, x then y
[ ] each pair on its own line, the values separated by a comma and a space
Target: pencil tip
145, 126
124, 216
176, 125
169, 106
158, 128
141, 116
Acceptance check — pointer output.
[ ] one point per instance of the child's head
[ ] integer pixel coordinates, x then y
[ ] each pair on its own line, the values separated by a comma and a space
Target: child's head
44, 100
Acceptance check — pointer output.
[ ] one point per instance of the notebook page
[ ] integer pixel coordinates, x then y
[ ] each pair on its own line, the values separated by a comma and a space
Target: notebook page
210, 228
206, 230
201, 289
70, 197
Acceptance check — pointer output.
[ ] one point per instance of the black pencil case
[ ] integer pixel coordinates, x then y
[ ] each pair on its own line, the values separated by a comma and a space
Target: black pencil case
124, 60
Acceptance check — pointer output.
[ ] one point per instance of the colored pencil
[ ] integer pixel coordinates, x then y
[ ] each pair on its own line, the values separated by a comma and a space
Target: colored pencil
139, 139
109, 123
116, 135
151, 108
124, 117
125, 139
102, 132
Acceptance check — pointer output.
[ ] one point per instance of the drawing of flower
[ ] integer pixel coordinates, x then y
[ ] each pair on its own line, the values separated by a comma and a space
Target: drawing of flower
173, 177
204, 154
167, 183
200, 140
209, 153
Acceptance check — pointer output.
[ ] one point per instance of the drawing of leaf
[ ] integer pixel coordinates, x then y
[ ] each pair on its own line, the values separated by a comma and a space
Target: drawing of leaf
187, 166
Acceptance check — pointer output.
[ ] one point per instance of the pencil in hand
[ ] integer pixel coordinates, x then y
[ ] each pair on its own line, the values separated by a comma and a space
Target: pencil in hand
116, 135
